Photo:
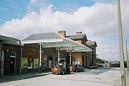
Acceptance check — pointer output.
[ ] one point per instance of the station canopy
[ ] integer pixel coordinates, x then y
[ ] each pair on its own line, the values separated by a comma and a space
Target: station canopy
10, 40
50, 40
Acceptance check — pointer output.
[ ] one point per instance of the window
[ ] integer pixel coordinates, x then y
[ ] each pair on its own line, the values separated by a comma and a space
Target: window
13, 54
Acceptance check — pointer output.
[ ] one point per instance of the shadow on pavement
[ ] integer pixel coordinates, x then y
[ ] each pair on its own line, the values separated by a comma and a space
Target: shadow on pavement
21, 77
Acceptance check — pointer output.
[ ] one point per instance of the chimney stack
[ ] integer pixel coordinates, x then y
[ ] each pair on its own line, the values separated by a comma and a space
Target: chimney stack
62, 33
78, 33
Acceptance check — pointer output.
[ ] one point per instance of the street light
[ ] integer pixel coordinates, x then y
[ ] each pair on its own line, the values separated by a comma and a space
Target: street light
121, 49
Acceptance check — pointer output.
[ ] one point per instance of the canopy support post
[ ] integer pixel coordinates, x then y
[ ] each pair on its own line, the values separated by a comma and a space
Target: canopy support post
40, 52
70, 57
58, 50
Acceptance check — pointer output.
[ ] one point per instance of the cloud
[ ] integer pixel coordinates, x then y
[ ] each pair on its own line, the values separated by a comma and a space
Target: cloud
33, 2
31, 5
98, 21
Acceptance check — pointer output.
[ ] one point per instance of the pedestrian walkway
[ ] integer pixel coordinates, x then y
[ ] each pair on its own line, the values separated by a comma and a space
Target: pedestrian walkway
127, 78
107, 78
21, 77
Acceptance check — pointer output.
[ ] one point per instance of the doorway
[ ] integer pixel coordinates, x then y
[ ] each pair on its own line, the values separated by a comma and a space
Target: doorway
50, 62
12, 62
12, 65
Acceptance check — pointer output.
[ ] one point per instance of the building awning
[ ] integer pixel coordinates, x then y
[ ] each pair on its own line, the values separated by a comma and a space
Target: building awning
10, 40
50, 40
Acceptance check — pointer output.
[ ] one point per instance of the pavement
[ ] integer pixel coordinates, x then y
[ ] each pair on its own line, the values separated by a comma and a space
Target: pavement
127, 78
94, 77
22, 76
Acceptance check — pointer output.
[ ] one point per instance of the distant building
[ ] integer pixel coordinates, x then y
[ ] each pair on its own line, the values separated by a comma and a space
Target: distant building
114, 63
10, 55
92, 55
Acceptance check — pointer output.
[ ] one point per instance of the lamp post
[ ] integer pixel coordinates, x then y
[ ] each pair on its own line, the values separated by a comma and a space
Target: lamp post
121, 49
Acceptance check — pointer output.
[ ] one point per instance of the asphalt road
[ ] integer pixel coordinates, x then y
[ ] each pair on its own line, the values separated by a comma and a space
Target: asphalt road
95, 77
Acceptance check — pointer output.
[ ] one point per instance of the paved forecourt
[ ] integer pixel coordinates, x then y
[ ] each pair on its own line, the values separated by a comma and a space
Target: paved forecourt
89, 78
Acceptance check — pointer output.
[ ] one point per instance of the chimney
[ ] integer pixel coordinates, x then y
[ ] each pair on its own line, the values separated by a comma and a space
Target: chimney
62, 33
78, 33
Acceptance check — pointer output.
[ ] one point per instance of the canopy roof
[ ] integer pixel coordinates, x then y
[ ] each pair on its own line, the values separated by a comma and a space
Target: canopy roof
64, 43
49, 40
10, 40
42, 37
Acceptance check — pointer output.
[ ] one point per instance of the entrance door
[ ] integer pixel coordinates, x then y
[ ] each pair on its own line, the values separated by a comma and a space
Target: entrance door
50, 62
12, 62
12, 65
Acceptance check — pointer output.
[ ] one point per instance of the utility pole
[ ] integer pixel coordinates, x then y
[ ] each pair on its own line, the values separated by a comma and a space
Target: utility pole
127, 56
121, 48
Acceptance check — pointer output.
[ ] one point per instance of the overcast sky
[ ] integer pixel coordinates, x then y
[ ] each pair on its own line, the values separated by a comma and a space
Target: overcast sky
96, 18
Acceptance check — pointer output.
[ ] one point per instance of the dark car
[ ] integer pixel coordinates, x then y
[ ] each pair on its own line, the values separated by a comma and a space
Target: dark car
79, 68
60, 70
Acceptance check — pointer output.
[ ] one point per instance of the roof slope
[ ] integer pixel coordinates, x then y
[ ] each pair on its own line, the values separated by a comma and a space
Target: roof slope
78, 36
89, 42
42, 36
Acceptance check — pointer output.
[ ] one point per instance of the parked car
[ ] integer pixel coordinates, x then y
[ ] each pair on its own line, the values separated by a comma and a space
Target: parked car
60, 70
79, 68
72, 68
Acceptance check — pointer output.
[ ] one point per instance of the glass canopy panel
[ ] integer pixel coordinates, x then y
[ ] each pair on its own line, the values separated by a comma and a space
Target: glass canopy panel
49, 40
77, 48
64, 43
